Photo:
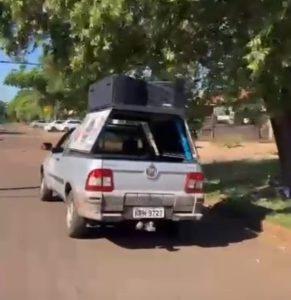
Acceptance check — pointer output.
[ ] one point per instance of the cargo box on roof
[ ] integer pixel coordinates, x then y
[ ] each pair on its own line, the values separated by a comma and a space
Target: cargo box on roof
126, 93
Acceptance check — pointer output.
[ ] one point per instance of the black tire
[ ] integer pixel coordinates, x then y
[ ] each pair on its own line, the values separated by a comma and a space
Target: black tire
45, 193
76, 225
53, 129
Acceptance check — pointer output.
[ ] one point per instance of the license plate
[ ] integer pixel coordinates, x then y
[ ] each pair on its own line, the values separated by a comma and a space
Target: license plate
148, 213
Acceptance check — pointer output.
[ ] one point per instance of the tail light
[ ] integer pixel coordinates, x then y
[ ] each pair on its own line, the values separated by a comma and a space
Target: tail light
194, 183
100, 180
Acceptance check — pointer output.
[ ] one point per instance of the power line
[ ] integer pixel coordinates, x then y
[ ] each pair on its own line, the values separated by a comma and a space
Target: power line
19, 63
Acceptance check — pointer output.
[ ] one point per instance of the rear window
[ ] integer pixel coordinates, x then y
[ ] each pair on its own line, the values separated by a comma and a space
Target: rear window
156, 140
122, 140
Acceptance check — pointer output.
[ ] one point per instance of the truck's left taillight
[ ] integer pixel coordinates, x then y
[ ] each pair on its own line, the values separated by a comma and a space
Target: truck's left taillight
100, 180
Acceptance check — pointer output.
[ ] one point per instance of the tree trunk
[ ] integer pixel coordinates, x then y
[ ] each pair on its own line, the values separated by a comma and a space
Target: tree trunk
282, 133
270, 133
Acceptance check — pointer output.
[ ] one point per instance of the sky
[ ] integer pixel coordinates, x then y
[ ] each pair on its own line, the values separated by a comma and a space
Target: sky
7, 92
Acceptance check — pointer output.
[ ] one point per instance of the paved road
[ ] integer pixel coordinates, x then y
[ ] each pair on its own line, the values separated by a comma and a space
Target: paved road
219, 259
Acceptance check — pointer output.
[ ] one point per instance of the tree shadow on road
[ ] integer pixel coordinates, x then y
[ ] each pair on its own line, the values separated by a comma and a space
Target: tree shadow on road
205, 235
213, 231
19, 188
10, 132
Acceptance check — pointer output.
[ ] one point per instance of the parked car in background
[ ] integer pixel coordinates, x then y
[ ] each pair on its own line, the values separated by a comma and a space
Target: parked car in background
224, 115
54, 125
38, 124
69, 124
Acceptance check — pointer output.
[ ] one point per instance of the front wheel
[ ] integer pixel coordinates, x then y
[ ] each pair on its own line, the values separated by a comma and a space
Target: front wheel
46, 194
76, 225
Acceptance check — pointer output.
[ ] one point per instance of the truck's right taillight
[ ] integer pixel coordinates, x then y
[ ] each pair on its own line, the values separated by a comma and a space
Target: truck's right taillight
100, 180
194, 183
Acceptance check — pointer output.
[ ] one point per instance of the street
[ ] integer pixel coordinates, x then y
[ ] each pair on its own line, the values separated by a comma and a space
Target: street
216, 259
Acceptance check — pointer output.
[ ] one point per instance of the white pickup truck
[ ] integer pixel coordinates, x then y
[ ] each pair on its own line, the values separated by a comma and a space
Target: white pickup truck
130, 174
119, 166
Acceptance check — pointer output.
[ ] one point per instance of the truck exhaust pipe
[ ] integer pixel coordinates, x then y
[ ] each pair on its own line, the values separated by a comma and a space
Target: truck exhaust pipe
150, 226
147, 226
139, 225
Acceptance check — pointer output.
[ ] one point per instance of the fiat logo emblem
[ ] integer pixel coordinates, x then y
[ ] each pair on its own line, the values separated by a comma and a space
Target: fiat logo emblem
152, 171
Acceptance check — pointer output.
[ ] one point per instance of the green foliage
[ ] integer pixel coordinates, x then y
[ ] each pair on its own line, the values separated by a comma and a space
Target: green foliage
2, 107
242, 44
93, 38
24, 79
2, 111
25, 106
53, 85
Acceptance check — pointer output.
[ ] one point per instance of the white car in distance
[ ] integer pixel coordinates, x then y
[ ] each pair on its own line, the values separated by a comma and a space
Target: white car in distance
69, 124
38, 124
54, 125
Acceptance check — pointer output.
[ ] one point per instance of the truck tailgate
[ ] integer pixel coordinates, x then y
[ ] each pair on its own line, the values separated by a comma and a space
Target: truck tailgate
141, 176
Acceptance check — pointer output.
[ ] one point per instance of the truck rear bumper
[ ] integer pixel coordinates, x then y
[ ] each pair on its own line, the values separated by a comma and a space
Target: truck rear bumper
93, 209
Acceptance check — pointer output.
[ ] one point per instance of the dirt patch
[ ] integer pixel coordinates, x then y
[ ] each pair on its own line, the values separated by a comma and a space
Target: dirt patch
276, 235
211, 152
277, 232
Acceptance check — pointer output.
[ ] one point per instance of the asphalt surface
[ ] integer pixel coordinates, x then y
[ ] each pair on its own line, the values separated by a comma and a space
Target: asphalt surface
217, 259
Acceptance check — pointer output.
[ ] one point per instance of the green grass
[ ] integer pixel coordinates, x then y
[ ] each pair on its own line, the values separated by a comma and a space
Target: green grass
281, 219
242, 188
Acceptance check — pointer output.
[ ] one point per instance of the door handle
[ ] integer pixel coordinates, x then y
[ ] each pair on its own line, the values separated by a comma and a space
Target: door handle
57, 159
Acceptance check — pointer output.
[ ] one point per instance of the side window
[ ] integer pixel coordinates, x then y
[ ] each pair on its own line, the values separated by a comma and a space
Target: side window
161, 132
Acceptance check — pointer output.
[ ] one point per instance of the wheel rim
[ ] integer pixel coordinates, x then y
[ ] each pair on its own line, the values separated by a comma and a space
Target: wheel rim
70, 212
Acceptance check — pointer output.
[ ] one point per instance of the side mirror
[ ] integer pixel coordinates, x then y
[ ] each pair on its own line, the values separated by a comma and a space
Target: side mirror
47, 146
57, 150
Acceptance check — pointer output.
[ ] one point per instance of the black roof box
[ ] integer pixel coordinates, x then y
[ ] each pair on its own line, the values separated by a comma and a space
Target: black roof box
126, 93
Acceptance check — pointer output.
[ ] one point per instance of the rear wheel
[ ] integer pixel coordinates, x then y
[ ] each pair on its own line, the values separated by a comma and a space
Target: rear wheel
46, 194
76, 225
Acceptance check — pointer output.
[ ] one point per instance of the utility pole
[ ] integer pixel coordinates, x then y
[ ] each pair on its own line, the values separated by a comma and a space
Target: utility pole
19, 63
